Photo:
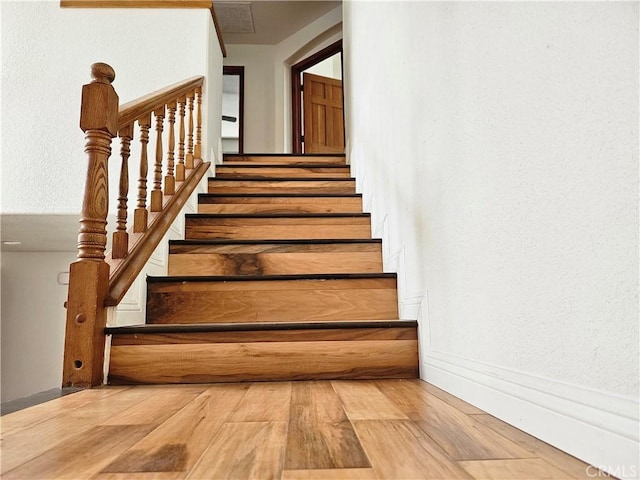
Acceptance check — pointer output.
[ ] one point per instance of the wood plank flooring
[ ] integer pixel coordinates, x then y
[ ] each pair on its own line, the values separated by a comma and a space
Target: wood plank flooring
383, 429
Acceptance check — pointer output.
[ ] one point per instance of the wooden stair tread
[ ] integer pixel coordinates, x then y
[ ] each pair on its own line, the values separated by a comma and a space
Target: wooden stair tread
223, 241
248, 178
284, 195
282, 165
248, 278
257, 326
279, 215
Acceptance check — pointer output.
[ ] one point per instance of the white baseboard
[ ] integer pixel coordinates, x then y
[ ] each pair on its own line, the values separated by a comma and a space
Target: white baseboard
598, 427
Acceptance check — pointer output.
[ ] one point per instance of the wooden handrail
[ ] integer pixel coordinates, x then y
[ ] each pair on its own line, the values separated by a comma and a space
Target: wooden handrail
100, 279
133, 110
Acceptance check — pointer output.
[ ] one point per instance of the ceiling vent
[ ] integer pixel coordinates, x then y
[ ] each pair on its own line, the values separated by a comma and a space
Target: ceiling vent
234, 17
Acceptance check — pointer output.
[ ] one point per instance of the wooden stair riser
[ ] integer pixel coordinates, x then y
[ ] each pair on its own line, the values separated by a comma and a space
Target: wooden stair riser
274, 228
275, 259
270, 171
285, 159
274, 361
275, 186
271, 301
281, 205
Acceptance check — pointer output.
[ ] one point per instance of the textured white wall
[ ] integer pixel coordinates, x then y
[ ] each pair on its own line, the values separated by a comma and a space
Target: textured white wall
497, 146
46, 54
258, 94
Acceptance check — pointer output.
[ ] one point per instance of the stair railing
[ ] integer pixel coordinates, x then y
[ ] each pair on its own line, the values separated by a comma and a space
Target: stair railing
100, 279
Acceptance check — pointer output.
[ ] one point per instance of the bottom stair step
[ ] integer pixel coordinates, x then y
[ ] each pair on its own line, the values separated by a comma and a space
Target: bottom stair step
239, 352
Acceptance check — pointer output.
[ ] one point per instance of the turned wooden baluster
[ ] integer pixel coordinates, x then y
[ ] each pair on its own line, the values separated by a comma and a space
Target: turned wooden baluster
198, 148
169, 179
180, 165
156, 193
140, 215
89, 275
189, 157
120, 236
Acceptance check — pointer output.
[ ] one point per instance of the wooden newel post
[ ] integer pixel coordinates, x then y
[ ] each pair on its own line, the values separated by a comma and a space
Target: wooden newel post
89, 275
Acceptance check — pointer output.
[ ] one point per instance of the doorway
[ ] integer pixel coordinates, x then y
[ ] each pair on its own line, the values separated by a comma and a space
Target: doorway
232, 131
327, 101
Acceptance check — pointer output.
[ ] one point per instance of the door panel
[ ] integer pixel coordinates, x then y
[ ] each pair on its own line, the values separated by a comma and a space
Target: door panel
323, 114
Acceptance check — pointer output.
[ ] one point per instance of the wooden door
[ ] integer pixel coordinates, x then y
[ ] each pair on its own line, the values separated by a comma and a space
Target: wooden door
323, 114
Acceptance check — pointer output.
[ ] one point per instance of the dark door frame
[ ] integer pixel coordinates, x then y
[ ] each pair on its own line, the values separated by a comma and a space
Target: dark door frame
296, 86
233, 70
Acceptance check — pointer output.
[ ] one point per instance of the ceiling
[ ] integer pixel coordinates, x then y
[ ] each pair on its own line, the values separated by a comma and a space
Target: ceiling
267, 22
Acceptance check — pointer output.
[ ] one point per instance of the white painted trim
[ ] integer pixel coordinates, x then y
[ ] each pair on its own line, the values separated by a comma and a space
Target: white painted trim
598, 427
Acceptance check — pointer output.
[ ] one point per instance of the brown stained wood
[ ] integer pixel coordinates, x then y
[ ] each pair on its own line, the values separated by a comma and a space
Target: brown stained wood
66, 421
120, 241
189, 158
331, 474
124, 272
285, 159
450, 399
520, 469
197, 149
140, 476
456, 433
141, 214
364, 401
571, 465
180, 170
398, 449
327, 334
86, 318
17, 421
131, 111
278, 228
261, 246
274, 263
179, 442
279, 204
275, 186
100, 443
155, 409
244, 450
272, 171
281, 301
169, 179
263, 361
320, 435
264, 402
156, 193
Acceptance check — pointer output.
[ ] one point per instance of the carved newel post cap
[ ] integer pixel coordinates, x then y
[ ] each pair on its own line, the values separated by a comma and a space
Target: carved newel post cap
102, 73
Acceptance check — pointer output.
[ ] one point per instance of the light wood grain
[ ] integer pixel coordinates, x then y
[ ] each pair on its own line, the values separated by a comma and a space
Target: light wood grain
320, 434
450, 399
289, 335
101, 443
285, 159
331, 474
256, 304
575, 468
275, 186
244, 450
271, 361
277, 230
198, 440
456, 433
264, 402
413, 455
279, 204
223, 171
364, 401
179, 442
521, 469
275, 263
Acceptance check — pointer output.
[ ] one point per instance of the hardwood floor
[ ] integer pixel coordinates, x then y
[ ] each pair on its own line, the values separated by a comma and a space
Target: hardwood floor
396, 429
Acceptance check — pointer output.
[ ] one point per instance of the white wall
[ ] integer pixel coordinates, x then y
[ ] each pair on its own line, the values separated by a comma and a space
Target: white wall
46, 54
329, 67
33, 319
258, 94
503, 176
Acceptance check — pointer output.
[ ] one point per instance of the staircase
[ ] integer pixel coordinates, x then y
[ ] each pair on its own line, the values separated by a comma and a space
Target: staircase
278, 278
